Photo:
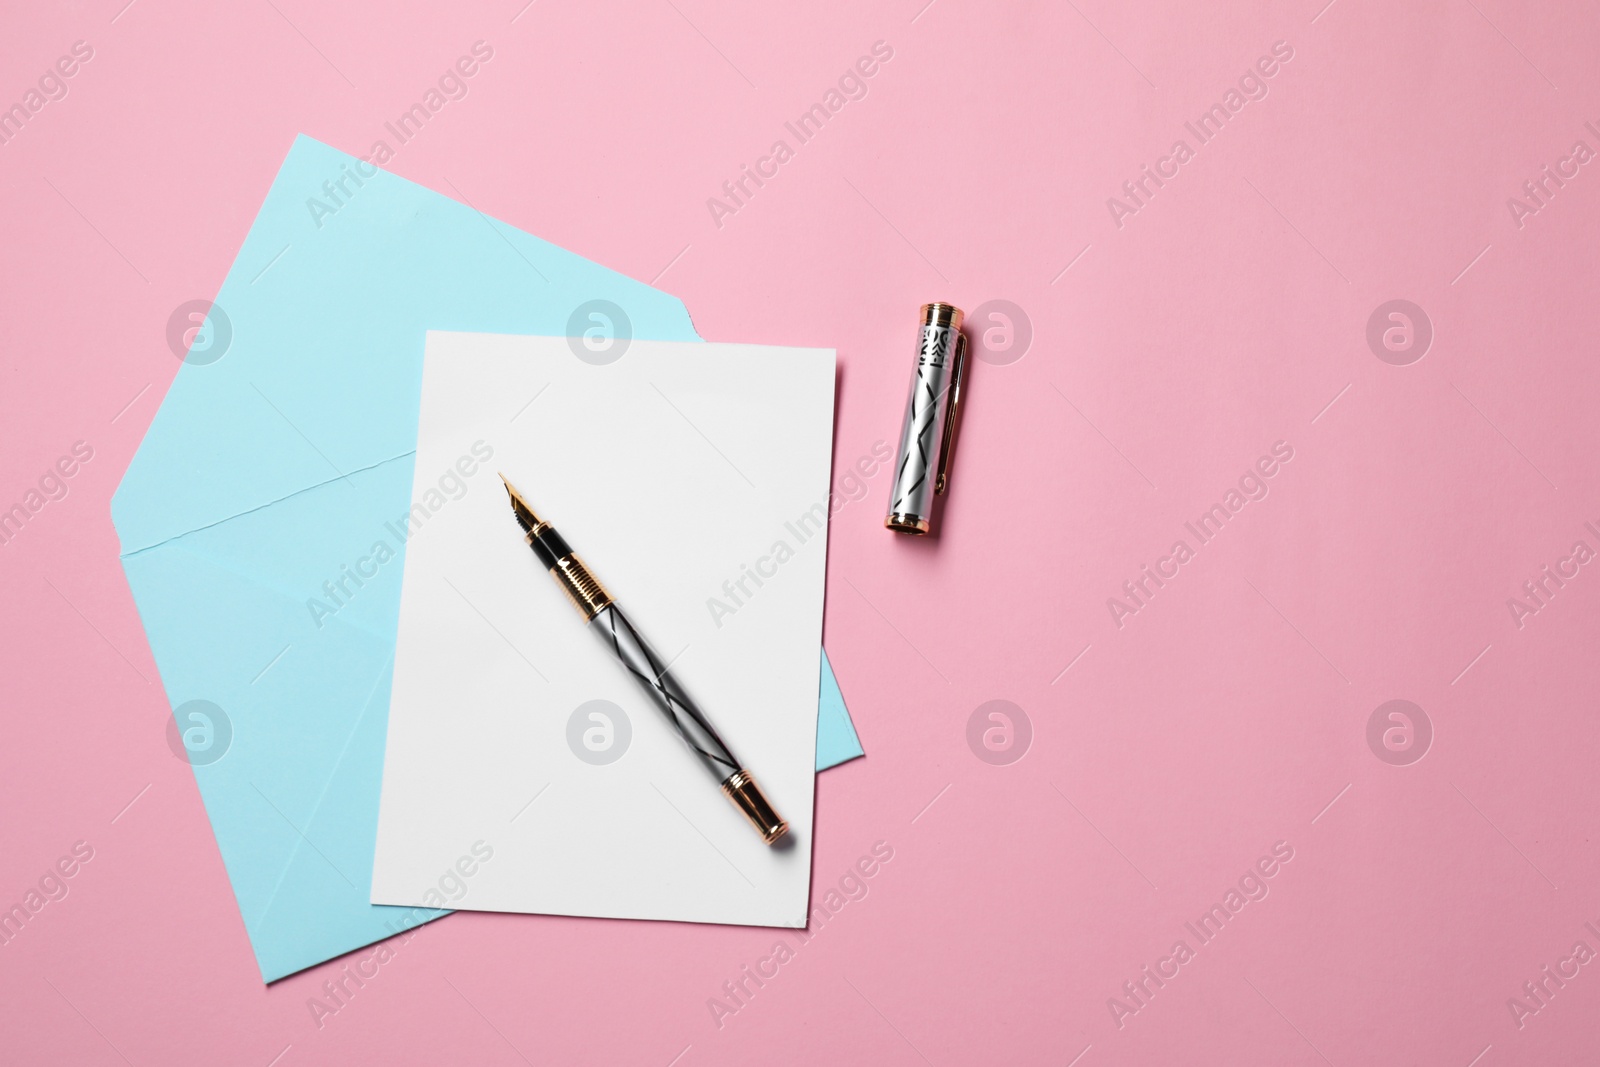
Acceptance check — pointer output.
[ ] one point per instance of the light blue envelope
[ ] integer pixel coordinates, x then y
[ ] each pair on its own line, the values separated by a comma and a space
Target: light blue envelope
836, 734
277, 476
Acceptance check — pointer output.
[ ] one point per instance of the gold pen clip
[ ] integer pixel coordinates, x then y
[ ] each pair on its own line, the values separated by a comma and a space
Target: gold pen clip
947, 437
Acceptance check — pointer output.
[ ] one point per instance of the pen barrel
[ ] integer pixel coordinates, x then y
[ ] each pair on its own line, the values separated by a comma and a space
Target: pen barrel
917, 465
648, 669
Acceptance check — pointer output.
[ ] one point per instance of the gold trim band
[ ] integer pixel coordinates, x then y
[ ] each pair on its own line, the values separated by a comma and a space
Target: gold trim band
581, 587
900, 522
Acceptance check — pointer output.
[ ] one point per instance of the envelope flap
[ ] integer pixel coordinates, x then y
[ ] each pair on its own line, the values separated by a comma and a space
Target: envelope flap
283, 390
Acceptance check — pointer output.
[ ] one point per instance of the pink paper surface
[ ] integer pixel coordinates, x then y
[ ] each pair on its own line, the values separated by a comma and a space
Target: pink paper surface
1173, 342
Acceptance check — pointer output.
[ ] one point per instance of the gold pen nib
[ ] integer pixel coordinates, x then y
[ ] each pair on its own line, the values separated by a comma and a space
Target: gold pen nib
525, 516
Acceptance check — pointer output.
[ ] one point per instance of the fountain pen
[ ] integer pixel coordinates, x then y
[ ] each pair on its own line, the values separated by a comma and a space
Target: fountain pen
605, 618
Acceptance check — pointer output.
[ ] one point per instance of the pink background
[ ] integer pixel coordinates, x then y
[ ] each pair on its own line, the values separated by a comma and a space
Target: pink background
1222, 317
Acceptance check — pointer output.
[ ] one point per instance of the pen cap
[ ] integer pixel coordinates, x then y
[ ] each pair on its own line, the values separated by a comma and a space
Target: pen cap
927, 433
